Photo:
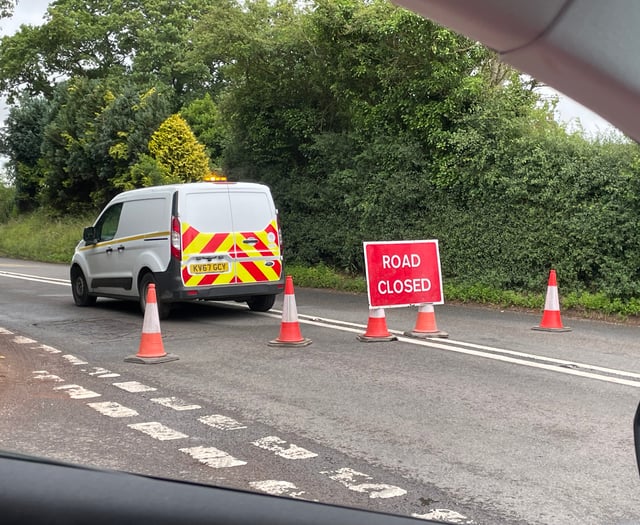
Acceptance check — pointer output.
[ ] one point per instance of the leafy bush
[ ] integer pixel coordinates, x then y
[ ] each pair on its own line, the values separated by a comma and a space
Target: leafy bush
7, 202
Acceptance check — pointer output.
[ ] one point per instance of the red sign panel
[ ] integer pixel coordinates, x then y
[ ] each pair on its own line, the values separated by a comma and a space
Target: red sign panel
403, 273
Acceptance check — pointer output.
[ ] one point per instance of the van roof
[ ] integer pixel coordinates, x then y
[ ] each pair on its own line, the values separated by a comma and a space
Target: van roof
190, 186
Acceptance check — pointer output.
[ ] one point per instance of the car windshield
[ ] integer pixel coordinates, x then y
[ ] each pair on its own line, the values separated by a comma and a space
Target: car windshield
417, 292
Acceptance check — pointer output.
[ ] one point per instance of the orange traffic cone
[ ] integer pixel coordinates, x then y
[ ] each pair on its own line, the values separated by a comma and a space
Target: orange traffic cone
290, 334
151, 349
551, 321
426, 324
376, 328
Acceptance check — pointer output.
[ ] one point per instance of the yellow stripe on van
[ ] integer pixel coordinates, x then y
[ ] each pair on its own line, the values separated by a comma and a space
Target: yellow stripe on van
120, 240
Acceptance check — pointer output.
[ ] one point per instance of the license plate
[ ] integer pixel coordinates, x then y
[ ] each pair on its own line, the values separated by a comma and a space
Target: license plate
217, 267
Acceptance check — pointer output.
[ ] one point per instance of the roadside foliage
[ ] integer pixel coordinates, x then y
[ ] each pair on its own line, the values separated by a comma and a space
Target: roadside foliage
367, 121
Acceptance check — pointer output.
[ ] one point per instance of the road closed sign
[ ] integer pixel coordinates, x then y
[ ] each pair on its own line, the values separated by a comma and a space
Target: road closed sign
403, 273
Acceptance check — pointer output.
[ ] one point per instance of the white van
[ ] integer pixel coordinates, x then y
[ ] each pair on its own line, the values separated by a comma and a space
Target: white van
203, 240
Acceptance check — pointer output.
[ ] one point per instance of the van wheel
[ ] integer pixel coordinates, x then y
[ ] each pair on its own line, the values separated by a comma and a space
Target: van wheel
261, 303
163, 308
80, 289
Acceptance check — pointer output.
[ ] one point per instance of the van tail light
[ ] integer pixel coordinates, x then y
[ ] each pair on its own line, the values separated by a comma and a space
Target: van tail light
176, 244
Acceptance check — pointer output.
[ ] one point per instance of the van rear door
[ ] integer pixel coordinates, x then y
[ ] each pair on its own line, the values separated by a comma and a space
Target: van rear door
208, 253
229, 236
256, 236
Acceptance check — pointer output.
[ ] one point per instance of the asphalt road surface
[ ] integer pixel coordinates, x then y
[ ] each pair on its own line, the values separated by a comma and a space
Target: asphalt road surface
497, 424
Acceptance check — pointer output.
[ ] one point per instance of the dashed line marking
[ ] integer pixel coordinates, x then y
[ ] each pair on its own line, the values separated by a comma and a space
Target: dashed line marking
212, 457
102, 372
445, 515
112, 409
277, 488
77, 391
134, 387
75, 361
49, 349
46, 376
21, 340
221, 422
158, 431
175, 403
273, 444
4, 331
352, 479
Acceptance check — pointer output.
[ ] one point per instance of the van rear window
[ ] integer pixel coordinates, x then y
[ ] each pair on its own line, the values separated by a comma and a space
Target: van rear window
207, 212
251, 211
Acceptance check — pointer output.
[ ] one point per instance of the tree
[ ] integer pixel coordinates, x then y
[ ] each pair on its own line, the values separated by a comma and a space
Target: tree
97, 130
6, 8
103, 38
72, 170
126, 126
175, 156
205, 119
337, 104
20, 141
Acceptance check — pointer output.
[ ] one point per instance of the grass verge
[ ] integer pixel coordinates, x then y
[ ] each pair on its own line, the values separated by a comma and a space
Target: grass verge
38, 236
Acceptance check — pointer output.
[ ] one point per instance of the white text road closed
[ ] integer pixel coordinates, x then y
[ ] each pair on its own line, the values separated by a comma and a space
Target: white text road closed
402, 273
402, 287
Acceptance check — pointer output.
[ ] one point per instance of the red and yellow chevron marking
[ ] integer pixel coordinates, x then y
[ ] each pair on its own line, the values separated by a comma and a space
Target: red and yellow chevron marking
263, 247
241, 271
195, 242
258, 271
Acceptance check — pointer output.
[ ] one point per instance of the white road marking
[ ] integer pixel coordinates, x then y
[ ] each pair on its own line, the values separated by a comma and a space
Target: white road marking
4, 331
352, 479
49, 349
46, 376
77, 391
21, 340
539, 361
273, 444
221, 422
175, 403
448, 516
212, 457
112, 409
277, 488
102, 373
158, 431
27, 277
76, 361
134, 387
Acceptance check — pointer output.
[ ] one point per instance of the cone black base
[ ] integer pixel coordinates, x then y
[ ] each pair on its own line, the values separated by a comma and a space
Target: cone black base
151, 360
427, 335
381, 339
544, 329
291, 344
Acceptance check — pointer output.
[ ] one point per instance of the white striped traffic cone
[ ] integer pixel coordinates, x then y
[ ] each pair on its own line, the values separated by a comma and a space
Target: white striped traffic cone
151, 349
290, 334
551, 321
376, 328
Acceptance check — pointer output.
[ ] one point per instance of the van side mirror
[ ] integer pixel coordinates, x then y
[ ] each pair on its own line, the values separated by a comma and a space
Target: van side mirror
89, 235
